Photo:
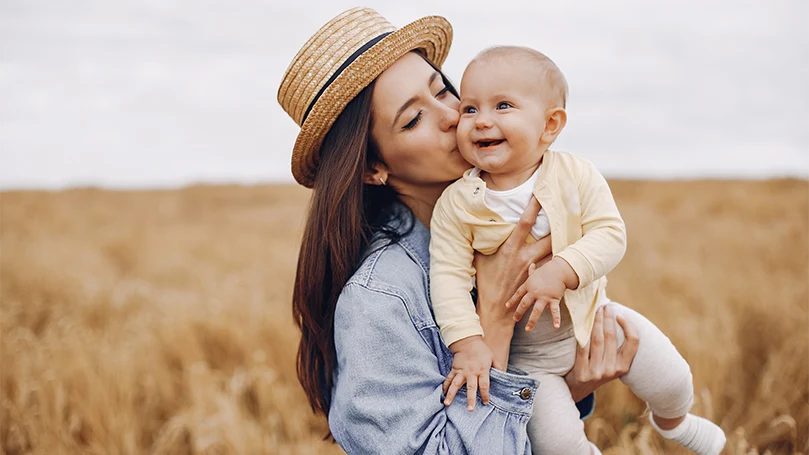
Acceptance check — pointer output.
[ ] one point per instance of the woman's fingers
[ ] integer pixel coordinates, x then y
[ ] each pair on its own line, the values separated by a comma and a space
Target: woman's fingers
630, 347
526, 222
540, 250
597, 341
457, 382
583, 355
610, 342
471, 392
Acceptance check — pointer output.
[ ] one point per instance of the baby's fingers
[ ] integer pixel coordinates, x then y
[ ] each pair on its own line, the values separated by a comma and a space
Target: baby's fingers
484, 388
454, 386
556, 313
539, 307
524, 305
516, 297
448, 381
471, 392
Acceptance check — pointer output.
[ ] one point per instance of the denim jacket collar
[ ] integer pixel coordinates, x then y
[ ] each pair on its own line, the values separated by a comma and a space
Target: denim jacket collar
415, 235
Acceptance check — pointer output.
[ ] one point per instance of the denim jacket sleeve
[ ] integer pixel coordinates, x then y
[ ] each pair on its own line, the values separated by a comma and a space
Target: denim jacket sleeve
387, 395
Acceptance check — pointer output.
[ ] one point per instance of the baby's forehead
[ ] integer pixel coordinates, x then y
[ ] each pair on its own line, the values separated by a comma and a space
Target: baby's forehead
506, 73
506, 65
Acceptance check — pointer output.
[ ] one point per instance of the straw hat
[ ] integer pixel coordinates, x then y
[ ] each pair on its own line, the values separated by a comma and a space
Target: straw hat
337, 62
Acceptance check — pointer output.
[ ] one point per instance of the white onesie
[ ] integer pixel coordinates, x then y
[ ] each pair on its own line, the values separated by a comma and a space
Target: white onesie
510, 204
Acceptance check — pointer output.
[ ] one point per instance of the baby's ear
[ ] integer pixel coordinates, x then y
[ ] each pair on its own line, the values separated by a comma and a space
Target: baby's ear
555, 123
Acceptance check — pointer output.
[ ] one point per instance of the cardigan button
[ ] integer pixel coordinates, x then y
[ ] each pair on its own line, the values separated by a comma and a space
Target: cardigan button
525, 393
477, 190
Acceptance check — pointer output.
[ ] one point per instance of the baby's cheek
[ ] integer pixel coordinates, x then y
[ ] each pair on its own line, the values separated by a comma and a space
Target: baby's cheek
464, 126
462, 132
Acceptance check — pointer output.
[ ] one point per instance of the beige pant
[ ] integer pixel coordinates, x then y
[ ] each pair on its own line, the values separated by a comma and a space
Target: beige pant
659, 375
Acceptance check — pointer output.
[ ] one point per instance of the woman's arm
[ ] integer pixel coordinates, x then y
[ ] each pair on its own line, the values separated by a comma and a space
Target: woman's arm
387, 395
498, 277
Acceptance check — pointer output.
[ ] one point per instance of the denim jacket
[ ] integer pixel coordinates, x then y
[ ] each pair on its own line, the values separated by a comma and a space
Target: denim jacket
391, 364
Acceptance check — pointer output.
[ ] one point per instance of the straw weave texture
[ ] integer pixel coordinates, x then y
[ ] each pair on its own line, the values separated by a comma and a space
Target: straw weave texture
326, 51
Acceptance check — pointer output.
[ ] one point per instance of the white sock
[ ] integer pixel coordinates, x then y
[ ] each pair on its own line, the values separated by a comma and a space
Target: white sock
595, 449
696, 434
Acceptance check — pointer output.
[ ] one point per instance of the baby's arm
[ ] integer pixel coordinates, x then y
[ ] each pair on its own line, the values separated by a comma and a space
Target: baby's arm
451, 280
598, 251
603, 243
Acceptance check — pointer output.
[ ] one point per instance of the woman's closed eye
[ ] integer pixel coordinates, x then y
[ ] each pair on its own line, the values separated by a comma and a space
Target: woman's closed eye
415, 121
412, 124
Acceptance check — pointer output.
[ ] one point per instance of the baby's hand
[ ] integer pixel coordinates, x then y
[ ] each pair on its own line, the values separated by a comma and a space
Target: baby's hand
544, 287
471, 367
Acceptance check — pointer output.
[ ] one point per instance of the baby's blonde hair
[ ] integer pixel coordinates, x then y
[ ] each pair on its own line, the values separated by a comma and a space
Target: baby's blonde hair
548, 74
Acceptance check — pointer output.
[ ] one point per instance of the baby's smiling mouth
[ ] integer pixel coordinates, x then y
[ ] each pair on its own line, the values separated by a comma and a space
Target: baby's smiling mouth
489, 143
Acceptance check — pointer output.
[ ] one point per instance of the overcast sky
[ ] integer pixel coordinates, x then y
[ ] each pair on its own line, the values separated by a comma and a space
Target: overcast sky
155, 93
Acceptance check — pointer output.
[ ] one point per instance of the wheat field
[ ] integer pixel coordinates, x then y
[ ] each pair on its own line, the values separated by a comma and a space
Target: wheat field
159, 321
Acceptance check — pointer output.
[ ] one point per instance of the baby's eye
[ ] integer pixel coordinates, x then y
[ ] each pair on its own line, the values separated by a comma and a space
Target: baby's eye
503, 105
469, 110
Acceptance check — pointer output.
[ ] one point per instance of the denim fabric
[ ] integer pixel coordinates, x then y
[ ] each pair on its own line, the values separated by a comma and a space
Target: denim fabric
391, 363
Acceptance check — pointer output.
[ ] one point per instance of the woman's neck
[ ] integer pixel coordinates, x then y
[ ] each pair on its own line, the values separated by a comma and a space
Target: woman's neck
421, 200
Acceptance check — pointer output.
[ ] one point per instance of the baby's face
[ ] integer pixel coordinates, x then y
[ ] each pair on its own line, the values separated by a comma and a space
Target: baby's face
502, 117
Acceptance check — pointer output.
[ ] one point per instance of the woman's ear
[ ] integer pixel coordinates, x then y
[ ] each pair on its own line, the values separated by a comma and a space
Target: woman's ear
555, 123
376, 175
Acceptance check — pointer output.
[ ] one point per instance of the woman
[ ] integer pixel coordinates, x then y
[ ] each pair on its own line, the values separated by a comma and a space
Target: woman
377, 146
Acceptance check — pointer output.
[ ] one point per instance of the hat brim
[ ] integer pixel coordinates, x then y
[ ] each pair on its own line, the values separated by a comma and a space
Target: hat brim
432, 34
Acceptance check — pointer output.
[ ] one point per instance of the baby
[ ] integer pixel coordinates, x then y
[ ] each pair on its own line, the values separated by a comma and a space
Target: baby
512, 110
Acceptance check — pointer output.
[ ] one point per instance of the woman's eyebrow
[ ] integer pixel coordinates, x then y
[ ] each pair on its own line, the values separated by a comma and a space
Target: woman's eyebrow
412, 100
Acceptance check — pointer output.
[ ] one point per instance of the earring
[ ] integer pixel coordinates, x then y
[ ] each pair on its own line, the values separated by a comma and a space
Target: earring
381, 180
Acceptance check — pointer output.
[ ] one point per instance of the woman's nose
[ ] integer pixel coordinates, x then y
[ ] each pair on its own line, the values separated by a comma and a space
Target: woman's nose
449, 118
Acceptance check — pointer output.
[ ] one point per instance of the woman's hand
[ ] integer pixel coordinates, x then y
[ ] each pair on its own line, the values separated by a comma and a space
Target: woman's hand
498, 277
601, 360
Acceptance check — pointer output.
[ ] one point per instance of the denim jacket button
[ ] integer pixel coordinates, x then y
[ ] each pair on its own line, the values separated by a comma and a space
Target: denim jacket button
525, 393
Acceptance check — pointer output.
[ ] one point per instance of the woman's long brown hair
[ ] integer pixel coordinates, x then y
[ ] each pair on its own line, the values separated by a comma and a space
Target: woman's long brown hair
336, 232
343, 213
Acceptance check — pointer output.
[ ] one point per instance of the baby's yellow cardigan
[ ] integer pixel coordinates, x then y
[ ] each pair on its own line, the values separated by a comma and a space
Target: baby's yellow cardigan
586, 231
